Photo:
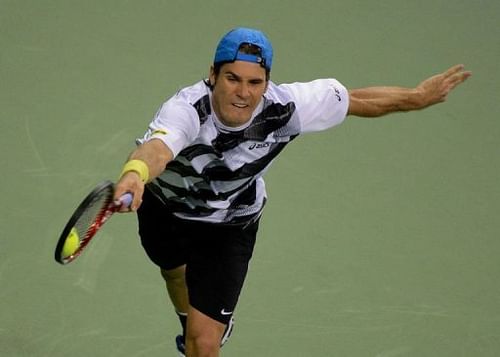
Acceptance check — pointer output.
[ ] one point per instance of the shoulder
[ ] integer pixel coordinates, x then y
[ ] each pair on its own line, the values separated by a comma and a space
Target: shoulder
191, 94
182, 110
318, 104
298, 91
187, 100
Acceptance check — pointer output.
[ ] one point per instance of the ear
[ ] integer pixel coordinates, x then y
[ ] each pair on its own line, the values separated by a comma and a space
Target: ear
211, 76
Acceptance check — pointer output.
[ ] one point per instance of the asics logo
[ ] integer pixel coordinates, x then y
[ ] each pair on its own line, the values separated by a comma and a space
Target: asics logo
337, 94
259, 145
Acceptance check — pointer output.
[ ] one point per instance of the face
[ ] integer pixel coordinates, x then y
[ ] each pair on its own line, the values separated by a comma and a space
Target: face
238, 89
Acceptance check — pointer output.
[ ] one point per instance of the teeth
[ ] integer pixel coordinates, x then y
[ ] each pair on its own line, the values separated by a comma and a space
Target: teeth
240, 105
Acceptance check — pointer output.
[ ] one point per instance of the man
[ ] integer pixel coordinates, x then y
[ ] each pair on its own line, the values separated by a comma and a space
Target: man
202, 160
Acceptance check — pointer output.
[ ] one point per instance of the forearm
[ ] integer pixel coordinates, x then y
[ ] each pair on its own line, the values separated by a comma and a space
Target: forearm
379, 101
155, 154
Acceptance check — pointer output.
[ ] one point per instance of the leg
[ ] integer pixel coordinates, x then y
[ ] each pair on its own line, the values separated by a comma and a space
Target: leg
165, 246
175, 280
204, 335
217, 259
215, 275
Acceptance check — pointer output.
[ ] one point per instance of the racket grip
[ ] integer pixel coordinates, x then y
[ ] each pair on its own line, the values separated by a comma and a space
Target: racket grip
126, 199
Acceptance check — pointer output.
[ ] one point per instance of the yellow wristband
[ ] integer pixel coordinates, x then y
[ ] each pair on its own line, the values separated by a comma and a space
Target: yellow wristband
138, 166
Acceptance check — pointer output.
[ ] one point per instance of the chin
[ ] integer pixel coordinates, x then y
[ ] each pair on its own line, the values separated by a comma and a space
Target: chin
236, 120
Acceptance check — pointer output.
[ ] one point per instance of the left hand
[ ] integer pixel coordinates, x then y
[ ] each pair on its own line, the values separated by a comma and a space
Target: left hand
436, 88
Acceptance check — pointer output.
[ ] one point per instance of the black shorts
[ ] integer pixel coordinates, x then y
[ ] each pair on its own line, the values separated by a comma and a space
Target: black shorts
216, 255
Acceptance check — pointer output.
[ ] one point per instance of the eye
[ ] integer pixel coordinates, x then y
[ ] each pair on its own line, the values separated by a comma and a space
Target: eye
256, 82
231, 78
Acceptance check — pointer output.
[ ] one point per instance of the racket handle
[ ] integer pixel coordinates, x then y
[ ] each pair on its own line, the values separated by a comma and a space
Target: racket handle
126, 199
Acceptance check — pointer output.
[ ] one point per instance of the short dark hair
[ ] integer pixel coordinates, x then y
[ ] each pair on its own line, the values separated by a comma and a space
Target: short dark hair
246, 48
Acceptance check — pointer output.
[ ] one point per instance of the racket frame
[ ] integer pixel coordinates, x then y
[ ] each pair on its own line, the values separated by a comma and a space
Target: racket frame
108, 208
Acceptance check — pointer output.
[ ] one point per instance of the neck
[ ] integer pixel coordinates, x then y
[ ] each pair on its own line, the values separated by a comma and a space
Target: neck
224, 126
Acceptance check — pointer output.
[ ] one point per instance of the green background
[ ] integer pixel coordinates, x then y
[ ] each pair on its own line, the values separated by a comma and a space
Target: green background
381, 237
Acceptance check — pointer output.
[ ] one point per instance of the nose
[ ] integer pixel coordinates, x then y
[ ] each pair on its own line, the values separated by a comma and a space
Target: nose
243, 90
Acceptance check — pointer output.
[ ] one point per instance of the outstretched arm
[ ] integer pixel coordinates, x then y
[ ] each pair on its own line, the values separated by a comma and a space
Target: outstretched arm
379, 101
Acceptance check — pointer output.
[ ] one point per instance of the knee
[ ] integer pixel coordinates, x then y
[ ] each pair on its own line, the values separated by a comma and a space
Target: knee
202, 345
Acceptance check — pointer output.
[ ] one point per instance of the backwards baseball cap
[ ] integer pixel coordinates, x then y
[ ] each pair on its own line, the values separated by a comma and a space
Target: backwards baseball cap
229, 45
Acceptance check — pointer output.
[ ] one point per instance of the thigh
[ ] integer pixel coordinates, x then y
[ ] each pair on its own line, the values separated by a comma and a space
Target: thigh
217, 265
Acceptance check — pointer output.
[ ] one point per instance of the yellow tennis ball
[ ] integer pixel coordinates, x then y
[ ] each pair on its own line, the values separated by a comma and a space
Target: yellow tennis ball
71, 244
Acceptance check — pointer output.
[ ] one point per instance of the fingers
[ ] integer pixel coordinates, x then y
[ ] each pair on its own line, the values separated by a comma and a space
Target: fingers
137, 201
454, 76
452, 70
457, 74
128, 202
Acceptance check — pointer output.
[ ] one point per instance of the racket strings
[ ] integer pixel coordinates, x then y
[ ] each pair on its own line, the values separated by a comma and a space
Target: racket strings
91, 219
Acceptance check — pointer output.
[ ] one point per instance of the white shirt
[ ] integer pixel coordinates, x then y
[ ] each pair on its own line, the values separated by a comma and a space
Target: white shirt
216, 175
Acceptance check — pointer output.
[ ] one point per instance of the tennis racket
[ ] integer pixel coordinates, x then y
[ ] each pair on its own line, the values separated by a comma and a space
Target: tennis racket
86, 221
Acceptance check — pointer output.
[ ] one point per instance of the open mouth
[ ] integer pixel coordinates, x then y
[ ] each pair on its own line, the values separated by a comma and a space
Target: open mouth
240, 105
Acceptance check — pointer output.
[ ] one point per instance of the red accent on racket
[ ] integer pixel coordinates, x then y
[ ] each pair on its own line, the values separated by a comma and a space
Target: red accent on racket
86, 221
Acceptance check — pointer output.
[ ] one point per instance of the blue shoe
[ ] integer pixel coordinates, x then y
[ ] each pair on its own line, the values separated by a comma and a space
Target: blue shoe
181, 347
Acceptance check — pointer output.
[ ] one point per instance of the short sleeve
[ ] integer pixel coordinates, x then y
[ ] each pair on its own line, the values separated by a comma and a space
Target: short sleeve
320, 104
176, 124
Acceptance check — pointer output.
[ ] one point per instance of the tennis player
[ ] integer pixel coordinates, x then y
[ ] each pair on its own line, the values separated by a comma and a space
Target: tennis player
197, 174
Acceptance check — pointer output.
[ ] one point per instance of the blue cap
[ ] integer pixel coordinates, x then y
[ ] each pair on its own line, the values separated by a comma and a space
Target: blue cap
227, 50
